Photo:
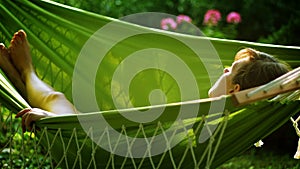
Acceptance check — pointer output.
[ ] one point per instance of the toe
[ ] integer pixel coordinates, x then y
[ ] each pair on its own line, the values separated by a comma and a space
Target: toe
22, 33
18, 39
12, 43
1, 47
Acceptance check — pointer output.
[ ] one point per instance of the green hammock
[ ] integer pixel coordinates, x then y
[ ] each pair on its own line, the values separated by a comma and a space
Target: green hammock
208, 132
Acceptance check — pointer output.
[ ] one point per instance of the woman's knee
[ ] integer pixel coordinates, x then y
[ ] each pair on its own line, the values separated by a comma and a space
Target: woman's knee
54, 96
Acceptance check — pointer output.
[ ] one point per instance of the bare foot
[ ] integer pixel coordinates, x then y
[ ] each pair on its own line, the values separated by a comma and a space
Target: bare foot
10, 70
20, 54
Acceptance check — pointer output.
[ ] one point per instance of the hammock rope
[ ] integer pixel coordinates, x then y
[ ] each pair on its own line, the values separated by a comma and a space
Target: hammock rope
189, 149
207, 155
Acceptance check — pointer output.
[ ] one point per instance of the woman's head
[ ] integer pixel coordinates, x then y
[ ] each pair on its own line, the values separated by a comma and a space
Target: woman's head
251, 68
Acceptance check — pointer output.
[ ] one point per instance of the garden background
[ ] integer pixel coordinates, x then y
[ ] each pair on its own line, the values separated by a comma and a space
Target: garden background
268, 21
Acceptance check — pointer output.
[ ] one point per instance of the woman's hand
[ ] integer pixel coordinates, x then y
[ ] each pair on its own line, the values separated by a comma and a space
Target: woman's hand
30, 115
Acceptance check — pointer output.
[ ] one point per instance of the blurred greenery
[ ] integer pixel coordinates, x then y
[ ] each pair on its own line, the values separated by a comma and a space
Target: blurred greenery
268, 21
18, 150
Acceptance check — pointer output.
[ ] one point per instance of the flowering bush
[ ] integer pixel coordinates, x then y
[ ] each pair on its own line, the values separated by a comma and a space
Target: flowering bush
211, 27
233, 17
171, 24
212, 17
183, 18
168, 23
181, 24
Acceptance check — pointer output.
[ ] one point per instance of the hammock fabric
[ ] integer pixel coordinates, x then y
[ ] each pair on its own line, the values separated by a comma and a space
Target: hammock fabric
57, 34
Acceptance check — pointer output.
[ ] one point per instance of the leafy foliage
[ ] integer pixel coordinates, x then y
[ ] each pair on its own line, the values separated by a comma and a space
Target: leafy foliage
269, 21
18, 150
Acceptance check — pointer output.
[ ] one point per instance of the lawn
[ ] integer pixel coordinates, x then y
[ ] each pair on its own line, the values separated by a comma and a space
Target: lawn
262, 159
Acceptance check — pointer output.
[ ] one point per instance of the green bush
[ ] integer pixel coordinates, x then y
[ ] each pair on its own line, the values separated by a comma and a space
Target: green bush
269, 21
18, 150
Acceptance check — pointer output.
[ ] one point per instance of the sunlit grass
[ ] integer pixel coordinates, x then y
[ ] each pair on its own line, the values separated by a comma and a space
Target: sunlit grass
255, 158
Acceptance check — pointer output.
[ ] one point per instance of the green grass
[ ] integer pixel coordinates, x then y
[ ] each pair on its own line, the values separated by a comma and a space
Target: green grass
262, 159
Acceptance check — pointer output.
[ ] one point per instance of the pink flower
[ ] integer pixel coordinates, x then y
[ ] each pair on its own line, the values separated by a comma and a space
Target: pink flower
167, 23
233, 17
212, 17
181, 18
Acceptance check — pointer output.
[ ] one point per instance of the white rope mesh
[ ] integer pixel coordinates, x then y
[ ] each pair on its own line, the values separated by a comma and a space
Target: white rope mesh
176, 162
44, 146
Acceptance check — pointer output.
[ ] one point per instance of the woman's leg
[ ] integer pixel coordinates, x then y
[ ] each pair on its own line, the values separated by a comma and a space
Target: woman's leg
39, 94
11, 72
